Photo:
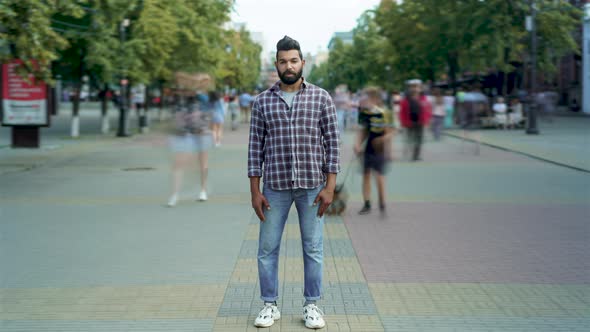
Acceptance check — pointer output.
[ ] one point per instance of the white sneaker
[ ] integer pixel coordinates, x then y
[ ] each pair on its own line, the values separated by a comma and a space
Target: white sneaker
173, 200
313, 317
267, 316
203, 196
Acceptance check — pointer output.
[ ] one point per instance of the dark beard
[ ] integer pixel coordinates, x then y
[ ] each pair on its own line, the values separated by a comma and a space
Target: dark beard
290, 80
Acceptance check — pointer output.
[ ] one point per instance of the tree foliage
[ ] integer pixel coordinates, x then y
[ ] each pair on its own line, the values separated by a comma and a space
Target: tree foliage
433, 40
27, 27
83, 38
240, 64
363, 63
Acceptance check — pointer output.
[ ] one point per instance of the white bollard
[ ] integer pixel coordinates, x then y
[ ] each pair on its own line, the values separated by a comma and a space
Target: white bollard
75, 133
105, 126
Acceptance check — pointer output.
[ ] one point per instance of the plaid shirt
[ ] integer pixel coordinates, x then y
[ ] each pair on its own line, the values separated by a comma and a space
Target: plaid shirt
300, 142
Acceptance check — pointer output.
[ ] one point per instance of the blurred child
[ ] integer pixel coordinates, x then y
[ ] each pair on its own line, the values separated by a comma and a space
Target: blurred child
377, 130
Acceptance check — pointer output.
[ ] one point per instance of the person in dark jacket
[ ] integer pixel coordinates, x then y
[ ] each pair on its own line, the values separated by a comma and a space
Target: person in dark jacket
415, 114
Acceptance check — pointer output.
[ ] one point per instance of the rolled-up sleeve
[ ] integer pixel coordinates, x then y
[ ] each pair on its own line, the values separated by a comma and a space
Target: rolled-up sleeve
256, 141
330, 135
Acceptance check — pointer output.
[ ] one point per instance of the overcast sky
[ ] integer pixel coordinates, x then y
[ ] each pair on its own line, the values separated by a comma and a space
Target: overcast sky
311, 22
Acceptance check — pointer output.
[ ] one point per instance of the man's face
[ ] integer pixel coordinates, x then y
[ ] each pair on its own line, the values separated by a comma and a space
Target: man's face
289, 66
415, 89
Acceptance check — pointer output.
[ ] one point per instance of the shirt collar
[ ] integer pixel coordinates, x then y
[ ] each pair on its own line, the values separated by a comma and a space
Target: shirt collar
277, 87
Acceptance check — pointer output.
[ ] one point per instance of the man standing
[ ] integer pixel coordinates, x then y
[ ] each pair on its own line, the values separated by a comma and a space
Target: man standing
294, 143
415, 113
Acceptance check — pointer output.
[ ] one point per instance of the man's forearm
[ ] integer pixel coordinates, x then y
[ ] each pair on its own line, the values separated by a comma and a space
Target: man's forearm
330, 181
254, 184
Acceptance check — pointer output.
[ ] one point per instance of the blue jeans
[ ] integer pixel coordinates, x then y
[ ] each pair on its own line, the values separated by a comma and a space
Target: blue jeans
312, 238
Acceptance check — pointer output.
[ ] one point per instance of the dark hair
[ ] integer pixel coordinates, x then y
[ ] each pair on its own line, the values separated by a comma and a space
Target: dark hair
213, 96
287, 44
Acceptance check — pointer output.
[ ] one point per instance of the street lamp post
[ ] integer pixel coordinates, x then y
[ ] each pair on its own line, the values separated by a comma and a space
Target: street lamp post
122, 130
532, 112
586, 60
387, 85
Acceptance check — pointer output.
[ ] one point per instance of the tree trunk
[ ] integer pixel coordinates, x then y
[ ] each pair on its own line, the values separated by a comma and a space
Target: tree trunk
145, 116
104, 109
75, 125
504, 90
161, 104
76, 102
129, 104
453, 64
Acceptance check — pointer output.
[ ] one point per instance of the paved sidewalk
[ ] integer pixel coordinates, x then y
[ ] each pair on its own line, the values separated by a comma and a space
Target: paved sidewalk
90, 247
496, 242
565, 140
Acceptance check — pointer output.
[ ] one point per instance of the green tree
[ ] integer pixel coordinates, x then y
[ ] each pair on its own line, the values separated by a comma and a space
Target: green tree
93, 50
162, 37
240, 65
432, 38
201, 38
82, 39
27, 27
363, 63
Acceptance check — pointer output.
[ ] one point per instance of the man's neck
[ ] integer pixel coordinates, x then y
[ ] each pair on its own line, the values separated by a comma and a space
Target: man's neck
293, 87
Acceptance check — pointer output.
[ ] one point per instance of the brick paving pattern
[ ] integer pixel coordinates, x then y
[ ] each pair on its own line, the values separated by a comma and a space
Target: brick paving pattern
496, 242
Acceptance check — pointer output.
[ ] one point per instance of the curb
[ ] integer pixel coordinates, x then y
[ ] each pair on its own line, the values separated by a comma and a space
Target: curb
532, 156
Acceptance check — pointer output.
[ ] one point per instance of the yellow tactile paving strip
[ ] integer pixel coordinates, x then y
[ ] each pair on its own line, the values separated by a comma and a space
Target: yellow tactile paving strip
337, 270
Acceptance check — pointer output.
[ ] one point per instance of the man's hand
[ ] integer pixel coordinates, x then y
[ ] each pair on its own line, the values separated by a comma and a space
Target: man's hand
325, 196
259, 203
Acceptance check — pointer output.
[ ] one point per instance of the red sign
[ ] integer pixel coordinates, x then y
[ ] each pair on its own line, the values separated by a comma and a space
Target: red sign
23, 103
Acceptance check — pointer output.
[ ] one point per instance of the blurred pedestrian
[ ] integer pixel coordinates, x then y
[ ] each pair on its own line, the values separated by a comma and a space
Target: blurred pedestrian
138, 97
342, 103
575, 107
501, 113
354, 109
116, 98
415, 113
449, 109
375, 135
396, 98
217, 116
439, 112
190, 136
473, 106
245, 100
294, 137
547, 103
515, 113
233, 108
